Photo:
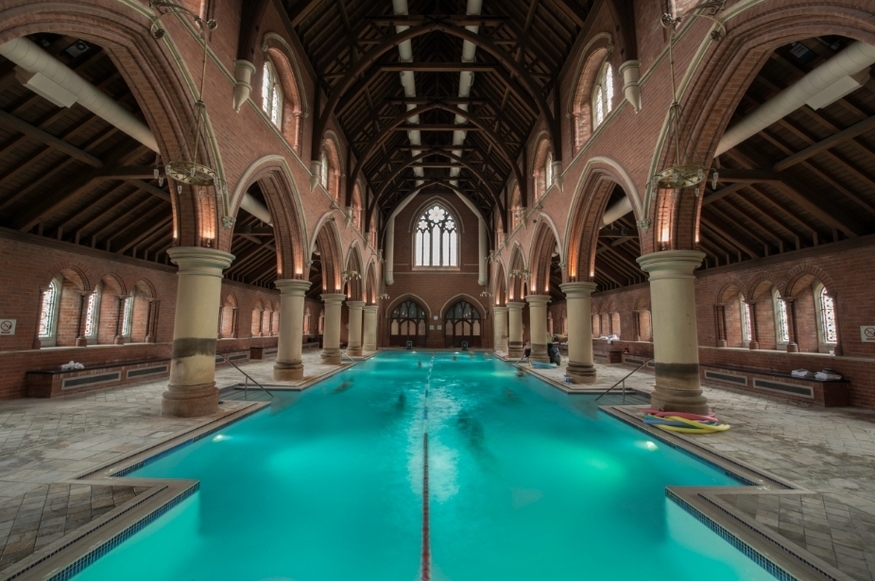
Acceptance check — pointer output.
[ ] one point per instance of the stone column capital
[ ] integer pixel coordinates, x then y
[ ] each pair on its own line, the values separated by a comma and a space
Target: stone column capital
332, 298
514, 306
292, 286
538, 300
578, 290
497, 309
671, 264
371, 308
201, 261
358, 305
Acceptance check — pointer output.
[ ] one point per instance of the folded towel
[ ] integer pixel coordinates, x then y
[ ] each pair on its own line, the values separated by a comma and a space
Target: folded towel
800, 373
827, 376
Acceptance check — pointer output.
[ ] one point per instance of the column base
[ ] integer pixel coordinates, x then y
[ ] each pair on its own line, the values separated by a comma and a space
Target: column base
288, 371
677, 389
539, 353
515, 349
37, 344
581, 372
753, 345
369, 348
354, 351
722, 343
331, 356
190, 401
792, 348
81, 342
118, 340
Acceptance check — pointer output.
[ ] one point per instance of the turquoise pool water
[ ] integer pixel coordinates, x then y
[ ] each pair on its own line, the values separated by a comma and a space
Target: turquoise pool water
523, 484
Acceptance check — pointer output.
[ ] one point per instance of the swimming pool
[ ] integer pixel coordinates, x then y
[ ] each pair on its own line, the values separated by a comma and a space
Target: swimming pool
419, 466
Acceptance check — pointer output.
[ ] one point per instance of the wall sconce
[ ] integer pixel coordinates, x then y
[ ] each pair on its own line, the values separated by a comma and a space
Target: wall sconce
384, 297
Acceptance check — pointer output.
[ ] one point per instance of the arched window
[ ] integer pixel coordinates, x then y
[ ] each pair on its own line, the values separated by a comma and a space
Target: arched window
92, 311
323, 169
602, 95
436, 239
272, 94
782, 327
127, 316
48, 319
516, 208
827, 330
462, 324
408, 323
548, 171
744, 310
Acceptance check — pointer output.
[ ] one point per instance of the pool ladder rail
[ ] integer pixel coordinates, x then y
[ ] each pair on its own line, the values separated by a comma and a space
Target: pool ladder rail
623, 382
247, 378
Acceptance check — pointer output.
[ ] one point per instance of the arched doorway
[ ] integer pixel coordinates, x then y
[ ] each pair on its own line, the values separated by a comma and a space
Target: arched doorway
408, 323
462, 323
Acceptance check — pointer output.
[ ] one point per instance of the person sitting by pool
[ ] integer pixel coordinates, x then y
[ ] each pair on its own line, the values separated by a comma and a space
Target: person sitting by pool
527, 349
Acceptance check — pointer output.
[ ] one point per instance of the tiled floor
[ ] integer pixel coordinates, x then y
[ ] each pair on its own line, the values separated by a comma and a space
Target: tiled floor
44, 444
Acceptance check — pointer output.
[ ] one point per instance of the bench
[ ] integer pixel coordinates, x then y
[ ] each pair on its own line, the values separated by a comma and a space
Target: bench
826, 393
54, 383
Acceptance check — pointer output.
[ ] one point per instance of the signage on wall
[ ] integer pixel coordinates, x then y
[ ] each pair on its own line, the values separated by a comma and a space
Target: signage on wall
867, 333
7, 327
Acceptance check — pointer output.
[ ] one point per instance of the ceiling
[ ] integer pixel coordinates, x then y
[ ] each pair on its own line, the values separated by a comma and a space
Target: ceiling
538, 36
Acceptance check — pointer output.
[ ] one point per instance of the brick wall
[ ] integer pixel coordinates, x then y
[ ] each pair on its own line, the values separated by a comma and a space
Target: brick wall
30, 262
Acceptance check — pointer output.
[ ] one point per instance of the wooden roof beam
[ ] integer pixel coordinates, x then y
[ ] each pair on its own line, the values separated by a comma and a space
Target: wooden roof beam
13, 122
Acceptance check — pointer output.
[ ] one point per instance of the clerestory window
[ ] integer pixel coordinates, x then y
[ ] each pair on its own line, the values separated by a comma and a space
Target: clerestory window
602, 95
436, 239
272, 95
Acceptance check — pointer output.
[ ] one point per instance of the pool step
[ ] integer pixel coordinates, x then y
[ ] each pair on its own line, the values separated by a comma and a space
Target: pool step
236, 393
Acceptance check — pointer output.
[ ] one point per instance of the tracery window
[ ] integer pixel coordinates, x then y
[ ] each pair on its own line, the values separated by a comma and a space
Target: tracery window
436, 239
602, 95
272, 94
408, 323
323, 170
49, 311
548, 171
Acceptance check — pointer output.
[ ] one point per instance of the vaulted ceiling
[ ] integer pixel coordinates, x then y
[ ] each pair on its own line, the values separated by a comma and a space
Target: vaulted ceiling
529, 42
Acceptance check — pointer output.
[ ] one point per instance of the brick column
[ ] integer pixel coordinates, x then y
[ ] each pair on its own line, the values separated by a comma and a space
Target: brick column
331, 334
369, 339
581, 367
675, 342
354, 346
288, 366
515, 330
754, 334
192, 388
538, 323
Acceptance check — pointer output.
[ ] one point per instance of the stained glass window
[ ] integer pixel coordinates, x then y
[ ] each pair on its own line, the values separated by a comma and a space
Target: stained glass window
128, 312
91, 315
436, 239
323, 168
746, 334
47, 312
783, 333
828, 317
272, 95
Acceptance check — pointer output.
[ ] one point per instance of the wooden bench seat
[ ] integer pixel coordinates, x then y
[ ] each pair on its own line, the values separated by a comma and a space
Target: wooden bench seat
827, 393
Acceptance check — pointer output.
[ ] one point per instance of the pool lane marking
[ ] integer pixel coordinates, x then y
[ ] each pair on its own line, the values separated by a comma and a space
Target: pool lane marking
426, 544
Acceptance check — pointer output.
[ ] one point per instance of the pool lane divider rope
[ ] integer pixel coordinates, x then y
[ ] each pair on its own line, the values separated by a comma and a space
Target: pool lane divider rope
426, 544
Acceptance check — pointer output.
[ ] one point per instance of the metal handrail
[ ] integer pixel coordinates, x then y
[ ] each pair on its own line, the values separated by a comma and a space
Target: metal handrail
350, 357
623, 381
246, 375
